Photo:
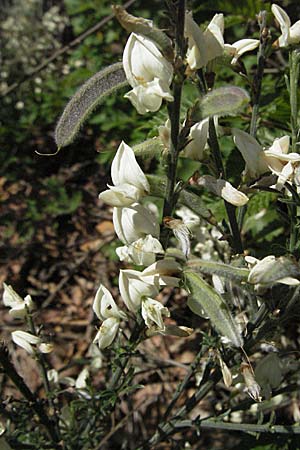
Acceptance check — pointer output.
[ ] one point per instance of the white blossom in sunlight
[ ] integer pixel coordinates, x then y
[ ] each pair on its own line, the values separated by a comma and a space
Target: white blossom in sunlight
141, 252
106, 310
148, 73
290, 34
18, 306
130, 182
271, 270
134, 222
133, 289
153, 313
165, 272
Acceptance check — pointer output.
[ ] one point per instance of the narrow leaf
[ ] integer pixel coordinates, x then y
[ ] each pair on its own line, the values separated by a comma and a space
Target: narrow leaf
223, 270
224, 101
204, 298
148, 148
86, 99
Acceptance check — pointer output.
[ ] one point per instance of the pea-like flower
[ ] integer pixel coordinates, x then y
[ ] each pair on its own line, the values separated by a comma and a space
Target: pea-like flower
275, 159
106, 310
290, 34
133, 289
18, 306
148, 73
130, 182
153, 313
28, 341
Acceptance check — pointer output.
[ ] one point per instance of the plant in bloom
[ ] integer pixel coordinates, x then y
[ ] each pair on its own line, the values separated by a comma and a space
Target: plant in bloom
18, 306
30, 342
130, 182
106, 310
290, 34
148, 73
275, 159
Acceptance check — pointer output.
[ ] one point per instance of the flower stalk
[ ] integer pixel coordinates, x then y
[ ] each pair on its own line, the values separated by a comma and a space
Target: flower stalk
294, 62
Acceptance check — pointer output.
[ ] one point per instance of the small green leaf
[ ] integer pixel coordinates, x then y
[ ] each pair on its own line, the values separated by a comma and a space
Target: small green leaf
149, 148
224, 101
223, 270
86, 99
204, 298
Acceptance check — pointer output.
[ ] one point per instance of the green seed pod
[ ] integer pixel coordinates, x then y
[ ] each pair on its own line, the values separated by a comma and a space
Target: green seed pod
86, 99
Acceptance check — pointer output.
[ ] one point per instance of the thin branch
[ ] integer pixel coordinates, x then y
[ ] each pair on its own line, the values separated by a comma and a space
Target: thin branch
62, 51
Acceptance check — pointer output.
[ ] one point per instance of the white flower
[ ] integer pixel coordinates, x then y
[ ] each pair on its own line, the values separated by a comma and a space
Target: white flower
107, 332
141, 252
133, 289
198, 136
252, 153
240, 47
223, 189
272, 270
19, 307
104, 305
130, 182
80, 382
148, 73
213, 36
289, 34
27, 340
164, 272
275, 159
153, 312
106, 309
134, 222
203, 46
196, 53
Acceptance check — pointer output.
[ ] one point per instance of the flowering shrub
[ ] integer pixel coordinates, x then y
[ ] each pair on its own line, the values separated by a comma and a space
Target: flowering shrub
172, 241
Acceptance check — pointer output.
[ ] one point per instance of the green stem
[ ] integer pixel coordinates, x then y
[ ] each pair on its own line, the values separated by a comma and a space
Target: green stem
294, 59
235, 241
174, 112
258, 77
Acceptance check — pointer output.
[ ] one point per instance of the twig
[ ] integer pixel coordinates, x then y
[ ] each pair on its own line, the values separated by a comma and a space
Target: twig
258, 77
62, 50
26, 392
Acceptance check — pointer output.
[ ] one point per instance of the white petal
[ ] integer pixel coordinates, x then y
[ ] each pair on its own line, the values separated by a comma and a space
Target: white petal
24, 340
134, 222
242, 46
104, 305
142, 61
148, 97
196, 53
125, 169
252, 153
280, 145
213, 36
81, 379
122, 195
45, 347
231, 194
107, 332
153, 313
295, 33
198, 134
284, 23
133, 289
143, 250
165, 272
